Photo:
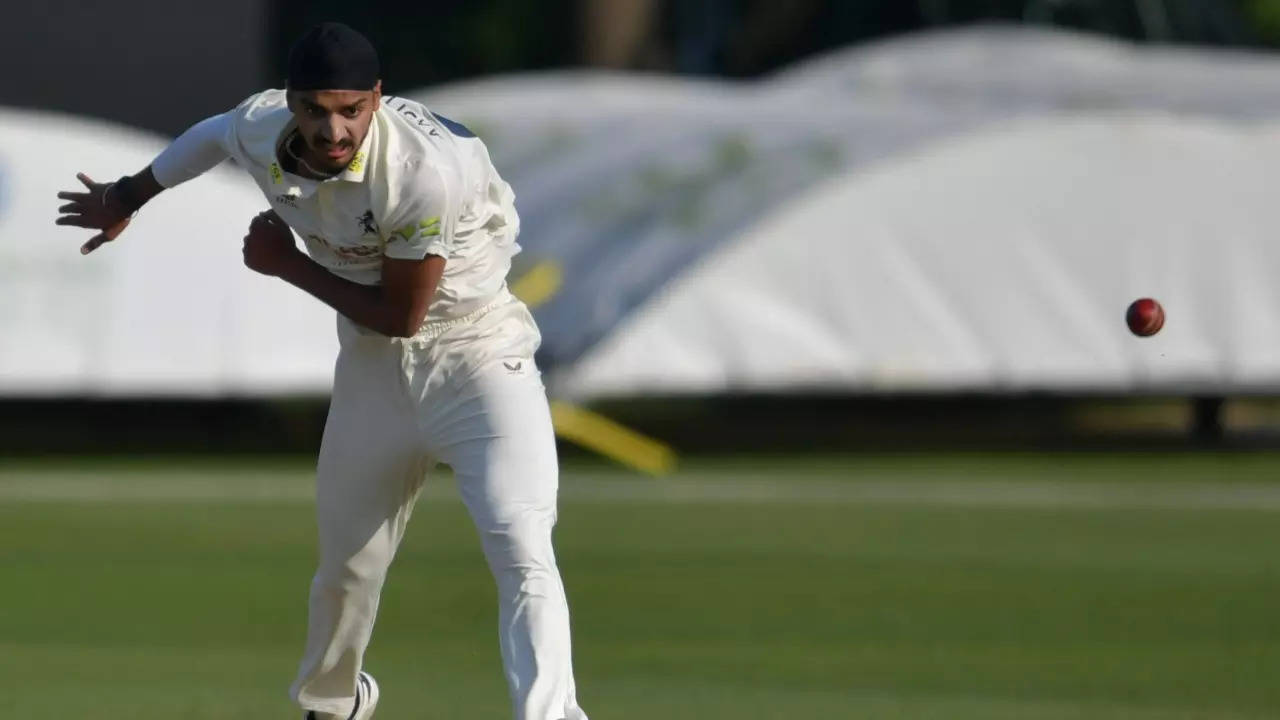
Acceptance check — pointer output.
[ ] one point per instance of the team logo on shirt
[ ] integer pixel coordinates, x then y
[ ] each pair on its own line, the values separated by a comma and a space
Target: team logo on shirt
277, 175
425, 228
368, 225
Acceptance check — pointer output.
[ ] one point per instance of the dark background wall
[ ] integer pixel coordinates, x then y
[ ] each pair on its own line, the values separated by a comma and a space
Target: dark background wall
162, 65
425, 43
155, 64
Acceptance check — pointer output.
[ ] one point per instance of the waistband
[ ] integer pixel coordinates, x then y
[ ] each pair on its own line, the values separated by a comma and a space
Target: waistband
433, 329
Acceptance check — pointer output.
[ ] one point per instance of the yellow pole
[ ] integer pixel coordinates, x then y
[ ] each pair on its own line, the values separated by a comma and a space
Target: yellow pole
597, 432
577, 424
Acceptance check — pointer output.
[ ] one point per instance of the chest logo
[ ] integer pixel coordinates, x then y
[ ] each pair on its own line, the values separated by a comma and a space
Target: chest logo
277, 176
368, 225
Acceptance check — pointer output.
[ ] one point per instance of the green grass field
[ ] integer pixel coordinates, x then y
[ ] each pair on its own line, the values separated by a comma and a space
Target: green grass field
931, 586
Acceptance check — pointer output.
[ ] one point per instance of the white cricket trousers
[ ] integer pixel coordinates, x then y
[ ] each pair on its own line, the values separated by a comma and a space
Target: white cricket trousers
473, 399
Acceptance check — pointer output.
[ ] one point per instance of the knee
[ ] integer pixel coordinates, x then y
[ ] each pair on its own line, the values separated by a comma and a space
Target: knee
363, 570
520, 554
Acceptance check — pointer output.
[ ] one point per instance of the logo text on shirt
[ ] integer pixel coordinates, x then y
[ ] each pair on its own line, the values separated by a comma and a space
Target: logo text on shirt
344, 254
421, 121
357, 163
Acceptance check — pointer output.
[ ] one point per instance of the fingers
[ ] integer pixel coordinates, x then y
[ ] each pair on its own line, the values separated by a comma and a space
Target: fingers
93, 244
269, 217
76, 220
78, 212
114, 231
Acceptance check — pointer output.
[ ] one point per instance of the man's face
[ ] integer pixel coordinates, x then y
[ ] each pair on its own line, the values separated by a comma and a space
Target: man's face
333, 123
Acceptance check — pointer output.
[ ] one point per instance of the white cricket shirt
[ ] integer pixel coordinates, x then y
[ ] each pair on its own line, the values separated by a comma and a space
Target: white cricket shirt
418, 185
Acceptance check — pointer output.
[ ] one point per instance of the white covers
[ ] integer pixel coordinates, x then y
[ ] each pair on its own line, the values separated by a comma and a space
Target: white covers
166, 309
1003, 261
967, 211
1001, 196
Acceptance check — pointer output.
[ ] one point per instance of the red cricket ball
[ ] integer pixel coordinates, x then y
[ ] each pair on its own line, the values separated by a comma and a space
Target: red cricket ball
1145, 317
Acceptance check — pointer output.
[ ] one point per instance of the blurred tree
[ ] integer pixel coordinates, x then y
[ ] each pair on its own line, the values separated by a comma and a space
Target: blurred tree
617, 33
1264, 18
1121, 18
430, 42
1217, 22
1206, 22
749, 37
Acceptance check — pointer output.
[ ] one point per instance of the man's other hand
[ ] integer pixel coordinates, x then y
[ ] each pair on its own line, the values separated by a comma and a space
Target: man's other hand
269, 247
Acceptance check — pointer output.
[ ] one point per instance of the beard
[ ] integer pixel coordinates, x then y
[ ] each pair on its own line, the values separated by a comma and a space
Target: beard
318, 154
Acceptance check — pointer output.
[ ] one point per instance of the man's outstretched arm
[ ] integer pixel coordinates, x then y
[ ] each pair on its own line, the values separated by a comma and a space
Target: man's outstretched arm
109, 206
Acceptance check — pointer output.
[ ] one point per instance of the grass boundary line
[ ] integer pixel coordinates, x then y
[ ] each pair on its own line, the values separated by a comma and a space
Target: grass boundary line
295, 487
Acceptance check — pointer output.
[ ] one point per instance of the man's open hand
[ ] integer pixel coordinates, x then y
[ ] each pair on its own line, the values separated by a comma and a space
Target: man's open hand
96, 210
269, 247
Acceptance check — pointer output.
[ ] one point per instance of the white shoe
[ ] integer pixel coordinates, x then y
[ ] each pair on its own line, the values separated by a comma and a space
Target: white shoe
366, 701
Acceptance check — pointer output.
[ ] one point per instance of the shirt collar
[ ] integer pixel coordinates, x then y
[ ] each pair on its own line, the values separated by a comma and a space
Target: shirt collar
298, 185
360, 161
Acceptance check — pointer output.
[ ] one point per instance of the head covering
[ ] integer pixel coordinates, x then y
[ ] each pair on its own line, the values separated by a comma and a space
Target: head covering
332, 56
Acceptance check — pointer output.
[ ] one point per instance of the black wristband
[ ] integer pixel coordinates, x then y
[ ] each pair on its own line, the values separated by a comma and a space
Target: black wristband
125, 191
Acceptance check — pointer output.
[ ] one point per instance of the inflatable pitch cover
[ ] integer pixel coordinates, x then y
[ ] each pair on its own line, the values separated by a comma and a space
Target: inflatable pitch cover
965, 211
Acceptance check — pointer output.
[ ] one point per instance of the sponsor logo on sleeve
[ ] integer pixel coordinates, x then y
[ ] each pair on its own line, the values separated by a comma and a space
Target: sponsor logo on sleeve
429, 227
